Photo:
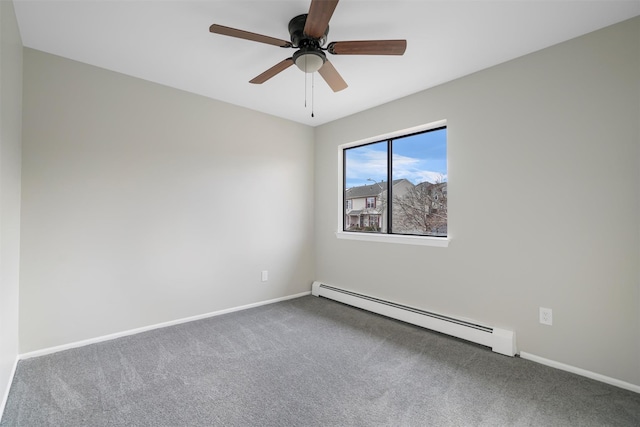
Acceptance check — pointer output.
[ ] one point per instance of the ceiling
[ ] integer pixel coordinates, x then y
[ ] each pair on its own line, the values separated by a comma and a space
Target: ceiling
169, 42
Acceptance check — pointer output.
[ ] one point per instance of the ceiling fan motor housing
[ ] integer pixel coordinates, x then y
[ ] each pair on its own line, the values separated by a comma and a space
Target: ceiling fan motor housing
299, 39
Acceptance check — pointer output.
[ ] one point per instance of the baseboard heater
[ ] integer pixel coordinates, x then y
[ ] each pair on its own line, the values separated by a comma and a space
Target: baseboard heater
500, 340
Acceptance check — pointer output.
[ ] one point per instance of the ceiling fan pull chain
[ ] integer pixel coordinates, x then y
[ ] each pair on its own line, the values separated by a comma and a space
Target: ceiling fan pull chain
312, 90
305, 90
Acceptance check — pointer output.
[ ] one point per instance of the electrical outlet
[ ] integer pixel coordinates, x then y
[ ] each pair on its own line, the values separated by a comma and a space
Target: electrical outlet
265, 275
546, 316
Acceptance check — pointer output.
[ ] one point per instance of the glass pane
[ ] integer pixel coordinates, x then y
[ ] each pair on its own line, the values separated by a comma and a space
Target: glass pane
365, 181
419, 192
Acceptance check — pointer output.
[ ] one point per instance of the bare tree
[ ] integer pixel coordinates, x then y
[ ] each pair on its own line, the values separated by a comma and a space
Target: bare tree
422, 210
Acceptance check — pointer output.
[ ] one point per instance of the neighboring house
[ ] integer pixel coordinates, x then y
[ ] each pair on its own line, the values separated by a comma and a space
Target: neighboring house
437, 195
365, 206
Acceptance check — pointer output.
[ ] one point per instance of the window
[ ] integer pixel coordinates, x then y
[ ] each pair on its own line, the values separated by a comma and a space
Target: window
401, 181
371, 202
348, 205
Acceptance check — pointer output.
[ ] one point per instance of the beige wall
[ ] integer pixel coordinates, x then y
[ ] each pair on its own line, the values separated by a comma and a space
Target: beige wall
544, 202
144, 204
10, 137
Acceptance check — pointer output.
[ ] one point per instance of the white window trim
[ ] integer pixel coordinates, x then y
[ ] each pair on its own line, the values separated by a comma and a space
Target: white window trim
441, 242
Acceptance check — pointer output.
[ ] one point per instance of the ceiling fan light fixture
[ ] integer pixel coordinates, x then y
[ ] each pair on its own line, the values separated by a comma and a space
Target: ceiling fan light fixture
309, 60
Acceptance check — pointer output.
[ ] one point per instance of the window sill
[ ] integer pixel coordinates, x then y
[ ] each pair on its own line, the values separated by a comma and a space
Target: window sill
441, 242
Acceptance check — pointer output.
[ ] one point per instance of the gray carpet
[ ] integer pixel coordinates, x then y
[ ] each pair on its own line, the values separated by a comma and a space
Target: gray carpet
303, 362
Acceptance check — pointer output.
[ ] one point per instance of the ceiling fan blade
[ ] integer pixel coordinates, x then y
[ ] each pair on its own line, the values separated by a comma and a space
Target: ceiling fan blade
241, 34
368, 47
318, 18
332, 77
278, 68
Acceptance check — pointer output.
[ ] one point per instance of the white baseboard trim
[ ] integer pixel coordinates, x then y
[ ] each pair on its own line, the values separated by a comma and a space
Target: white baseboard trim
579, 371
82, 343
5, 395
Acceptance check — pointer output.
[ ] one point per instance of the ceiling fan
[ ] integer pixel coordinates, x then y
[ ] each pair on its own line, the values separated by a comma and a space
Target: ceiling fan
308, 34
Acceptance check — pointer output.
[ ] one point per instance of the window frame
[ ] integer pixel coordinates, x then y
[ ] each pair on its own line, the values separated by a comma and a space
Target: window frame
371, 202
379, 237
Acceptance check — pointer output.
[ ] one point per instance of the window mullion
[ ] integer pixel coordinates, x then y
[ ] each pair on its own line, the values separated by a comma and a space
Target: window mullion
389, 186
344, 189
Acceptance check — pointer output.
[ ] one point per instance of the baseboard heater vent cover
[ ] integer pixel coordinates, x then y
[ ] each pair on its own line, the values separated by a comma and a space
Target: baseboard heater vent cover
500, 340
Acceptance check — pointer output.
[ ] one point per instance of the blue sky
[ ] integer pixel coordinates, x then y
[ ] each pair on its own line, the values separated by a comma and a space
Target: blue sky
418, 158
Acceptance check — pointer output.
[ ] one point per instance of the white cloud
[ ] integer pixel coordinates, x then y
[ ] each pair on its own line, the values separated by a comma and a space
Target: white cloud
367, 163
414, 170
